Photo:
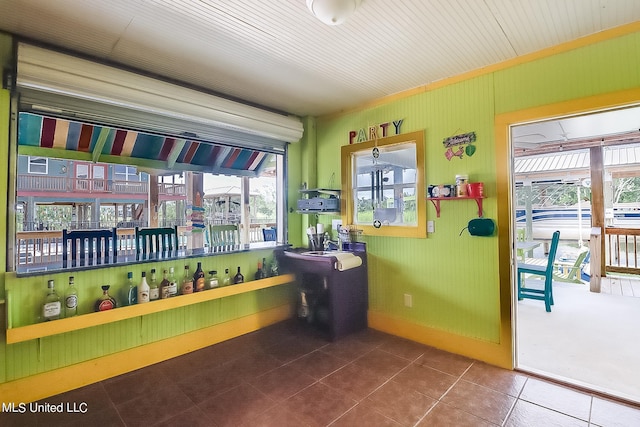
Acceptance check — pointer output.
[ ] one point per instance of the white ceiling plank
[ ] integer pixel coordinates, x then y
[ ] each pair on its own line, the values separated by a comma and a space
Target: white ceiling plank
278, 55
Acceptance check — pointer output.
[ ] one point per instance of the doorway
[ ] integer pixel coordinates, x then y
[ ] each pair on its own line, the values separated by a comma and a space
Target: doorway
588, 339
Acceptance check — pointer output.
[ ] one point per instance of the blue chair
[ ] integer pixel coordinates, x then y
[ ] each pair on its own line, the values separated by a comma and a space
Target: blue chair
545, 271
88, 247
269, 234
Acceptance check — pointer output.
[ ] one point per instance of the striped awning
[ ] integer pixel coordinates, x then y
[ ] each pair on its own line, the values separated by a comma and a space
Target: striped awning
155, 151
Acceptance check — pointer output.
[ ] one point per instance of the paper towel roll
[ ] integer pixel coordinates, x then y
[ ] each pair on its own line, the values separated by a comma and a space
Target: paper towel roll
348, 261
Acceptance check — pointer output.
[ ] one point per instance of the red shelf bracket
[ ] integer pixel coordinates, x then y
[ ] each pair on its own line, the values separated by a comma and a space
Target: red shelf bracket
436, 202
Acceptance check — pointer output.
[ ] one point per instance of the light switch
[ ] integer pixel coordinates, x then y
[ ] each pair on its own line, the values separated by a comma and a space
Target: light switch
431, 227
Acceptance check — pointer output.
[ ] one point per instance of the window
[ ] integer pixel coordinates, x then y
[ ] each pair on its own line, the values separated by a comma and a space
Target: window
38, 165
103, 196
125, 173
383, 186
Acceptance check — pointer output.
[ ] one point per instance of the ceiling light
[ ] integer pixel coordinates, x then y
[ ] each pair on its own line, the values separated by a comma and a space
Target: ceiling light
333, 12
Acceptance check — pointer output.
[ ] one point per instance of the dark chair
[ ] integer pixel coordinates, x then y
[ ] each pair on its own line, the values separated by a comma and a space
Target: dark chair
88, 247
156, 240
269, 234
545, 294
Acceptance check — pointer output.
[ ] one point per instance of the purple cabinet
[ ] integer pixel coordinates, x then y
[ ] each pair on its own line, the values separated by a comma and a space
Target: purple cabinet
332, 301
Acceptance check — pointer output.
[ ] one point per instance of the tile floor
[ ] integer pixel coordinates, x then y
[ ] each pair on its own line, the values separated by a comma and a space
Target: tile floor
284, 376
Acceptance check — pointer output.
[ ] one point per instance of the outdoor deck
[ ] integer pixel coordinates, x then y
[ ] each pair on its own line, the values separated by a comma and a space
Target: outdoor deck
621, 285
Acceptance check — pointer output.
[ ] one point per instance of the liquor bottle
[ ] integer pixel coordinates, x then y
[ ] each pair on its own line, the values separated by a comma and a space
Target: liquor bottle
106, 301
154, 290
71, 299
131, 296
52, 306
213, 279
226, 280
238, 278
258, 274
143, 289
187, 282
198, 279
164, 286
173, 284
274, 267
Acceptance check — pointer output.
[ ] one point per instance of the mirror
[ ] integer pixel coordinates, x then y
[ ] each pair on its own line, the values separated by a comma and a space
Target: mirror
383, 186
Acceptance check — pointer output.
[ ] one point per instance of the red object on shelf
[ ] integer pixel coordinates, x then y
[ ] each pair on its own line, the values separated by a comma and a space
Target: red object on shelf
436, 202
475, 189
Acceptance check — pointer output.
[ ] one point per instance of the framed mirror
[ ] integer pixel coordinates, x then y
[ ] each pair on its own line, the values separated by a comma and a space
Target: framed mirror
383, 186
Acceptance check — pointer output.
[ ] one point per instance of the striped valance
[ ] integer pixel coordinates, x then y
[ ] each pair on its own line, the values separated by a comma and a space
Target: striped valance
47, 132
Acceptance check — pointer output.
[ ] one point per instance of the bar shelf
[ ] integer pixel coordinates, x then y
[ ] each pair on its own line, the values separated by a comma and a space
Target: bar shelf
55, 327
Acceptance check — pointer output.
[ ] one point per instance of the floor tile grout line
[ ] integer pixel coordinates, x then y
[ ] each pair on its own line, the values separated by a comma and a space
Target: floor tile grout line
445, 393
516, 401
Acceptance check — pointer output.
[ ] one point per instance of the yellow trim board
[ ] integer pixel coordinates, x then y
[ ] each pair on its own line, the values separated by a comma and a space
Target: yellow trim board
493, 353
61, 380
601, 36
503, 122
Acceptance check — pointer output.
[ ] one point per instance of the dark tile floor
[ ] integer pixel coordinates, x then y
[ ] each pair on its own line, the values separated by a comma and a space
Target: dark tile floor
284, 376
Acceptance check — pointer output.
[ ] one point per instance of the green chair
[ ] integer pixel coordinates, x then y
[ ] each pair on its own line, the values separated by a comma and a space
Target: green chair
156, 240
545, 271
520, 237
224, 236
570, 272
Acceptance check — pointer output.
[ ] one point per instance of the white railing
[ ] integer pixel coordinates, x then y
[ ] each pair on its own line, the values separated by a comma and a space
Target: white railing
47, 183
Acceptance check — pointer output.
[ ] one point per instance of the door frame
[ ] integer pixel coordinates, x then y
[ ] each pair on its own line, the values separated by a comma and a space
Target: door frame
504, 190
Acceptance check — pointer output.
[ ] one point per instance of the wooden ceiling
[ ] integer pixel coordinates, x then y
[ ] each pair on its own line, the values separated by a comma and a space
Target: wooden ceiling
278, 55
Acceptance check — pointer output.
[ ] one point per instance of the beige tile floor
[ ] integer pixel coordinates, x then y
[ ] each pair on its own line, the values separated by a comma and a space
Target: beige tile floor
284, 375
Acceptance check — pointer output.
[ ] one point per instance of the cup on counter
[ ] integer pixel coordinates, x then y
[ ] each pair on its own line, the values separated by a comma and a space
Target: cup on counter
475, 189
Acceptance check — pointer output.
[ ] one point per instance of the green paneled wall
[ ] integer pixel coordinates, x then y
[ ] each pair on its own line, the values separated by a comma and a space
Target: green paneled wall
31, 357
435, 271
454, 279
604, 67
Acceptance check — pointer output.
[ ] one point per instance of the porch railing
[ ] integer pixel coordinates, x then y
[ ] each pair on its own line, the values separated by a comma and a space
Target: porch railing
621, 245
37, 249
47, 183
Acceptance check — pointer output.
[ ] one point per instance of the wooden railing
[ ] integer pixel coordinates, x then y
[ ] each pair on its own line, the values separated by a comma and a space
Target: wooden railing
622, 250
47, 183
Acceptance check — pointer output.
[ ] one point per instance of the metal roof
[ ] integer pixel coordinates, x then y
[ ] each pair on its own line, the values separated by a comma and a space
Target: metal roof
620, 157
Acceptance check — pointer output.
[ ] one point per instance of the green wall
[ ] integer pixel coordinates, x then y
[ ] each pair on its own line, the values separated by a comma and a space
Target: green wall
454, 280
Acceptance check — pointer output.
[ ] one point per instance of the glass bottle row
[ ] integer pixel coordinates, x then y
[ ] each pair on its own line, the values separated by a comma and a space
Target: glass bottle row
54, 307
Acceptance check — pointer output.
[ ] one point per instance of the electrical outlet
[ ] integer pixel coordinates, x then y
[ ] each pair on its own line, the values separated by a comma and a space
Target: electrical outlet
431, 227
408, 300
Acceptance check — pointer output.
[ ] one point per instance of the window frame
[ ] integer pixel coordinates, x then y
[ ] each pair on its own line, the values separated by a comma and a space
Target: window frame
348, 176
30, 162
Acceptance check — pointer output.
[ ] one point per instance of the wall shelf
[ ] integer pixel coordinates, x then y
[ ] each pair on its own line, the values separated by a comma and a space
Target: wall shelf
319, 201
436, 202
45, 329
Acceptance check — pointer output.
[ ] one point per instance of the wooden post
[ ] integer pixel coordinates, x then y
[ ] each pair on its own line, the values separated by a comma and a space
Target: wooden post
594, 263
597, 203
153, 200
